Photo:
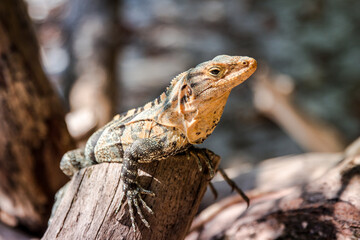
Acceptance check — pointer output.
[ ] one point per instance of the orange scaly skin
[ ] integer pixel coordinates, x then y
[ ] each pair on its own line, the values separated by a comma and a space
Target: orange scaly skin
185, 114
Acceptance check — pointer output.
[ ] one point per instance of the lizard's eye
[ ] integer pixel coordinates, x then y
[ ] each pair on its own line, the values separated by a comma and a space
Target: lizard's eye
215, 71
244, 63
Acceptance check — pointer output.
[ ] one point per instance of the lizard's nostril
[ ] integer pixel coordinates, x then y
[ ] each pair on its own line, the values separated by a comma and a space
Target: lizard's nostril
254, 63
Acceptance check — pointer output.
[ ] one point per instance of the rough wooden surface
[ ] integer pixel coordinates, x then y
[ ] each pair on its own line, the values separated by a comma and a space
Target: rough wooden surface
274, 174
324, 208
87, 210
33, 135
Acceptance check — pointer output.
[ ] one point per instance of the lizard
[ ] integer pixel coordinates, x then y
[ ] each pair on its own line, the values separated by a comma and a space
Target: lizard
185, 114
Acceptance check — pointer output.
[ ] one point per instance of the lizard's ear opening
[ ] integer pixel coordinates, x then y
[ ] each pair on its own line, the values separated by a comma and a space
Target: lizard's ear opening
185, 95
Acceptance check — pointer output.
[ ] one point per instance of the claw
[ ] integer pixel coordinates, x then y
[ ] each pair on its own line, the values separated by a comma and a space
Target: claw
133, 196
188, 155
146, 206
146, 223
213, 190
209, 165
197, 160
132, 217
121, 202
144, 191
234, 186
201, 155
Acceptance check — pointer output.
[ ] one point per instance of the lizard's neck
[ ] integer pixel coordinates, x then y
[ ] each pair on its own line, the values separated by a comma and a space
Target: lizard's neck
203, 123
168, 110
197, 121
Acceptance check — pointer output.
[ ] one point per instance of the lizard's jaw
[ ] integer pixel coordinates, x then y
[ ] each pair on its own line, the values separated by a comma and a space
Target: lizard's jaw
242, 73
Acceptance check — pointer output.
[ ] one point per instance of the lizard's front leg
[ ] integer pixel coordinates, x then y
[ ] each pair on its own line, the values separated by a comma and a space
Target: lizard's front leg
141, 151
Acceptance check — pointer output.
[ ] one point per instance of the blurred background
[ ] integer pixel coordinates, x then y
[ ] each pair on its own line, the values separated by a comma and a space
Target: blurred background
105, 57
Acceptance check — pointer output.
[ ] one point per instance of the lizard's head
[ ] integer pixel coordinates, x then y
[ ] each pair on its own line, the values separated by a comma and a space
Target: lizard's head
216, 77
205, 90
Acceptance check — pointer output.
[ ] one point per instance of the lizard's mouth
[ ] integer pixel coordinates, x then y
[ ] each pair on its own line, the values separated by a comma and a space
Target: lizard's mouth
204, 90
244, 73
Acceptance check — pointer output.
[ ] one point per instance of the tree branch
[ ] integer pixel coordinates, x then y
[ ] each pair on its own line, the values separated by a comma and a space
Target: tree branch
87, 210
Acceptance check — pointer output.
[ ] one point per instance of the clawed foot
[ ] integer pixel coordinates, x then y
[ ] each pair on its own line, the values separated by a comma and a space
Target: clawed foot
132, 192
202, 154
207, 156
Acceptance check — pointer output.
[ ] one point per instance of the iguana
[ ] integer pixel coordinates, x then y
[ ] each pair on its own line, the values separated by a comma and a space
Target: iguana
185, 114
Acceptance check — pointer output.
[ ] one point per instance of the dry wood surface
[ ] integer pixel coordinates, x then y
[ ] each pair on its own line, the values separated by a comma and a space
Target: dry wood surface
87, 209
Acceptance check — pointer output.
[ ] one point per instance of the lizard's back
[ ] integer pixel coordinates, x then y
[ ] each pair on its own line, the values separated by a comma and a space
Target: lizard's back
109, 143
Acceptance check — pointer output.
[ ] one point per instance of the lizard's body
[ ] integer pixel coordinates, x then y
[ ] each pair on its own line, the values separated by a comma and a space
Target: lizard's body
185, 114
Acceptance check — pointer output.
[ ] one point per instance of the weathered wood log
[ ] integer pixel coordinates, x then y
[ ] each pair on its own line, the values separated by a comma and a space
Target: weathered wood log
33, 134
87, 209
274, 174
325, 208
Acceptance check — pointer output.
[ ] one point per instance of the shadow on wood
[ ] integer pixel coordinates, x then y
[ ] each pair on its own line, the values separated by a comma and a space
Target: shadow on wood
87, 209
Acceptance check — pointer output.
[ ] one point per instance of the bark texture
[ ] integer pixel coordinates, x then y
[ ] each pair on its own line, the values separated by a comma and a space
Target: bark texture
87, 209
33, 135
325, 208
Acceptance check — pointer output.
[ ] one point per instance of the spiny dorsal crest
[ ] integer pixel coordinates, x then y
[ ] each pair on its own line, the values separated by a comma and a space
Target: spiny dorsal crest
174, 82
155, 102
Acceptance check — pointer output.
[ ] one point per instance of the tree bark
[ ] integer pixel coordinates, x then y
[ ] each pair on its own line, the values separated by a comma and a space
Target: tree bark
325, 208
33, 135
87, 209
